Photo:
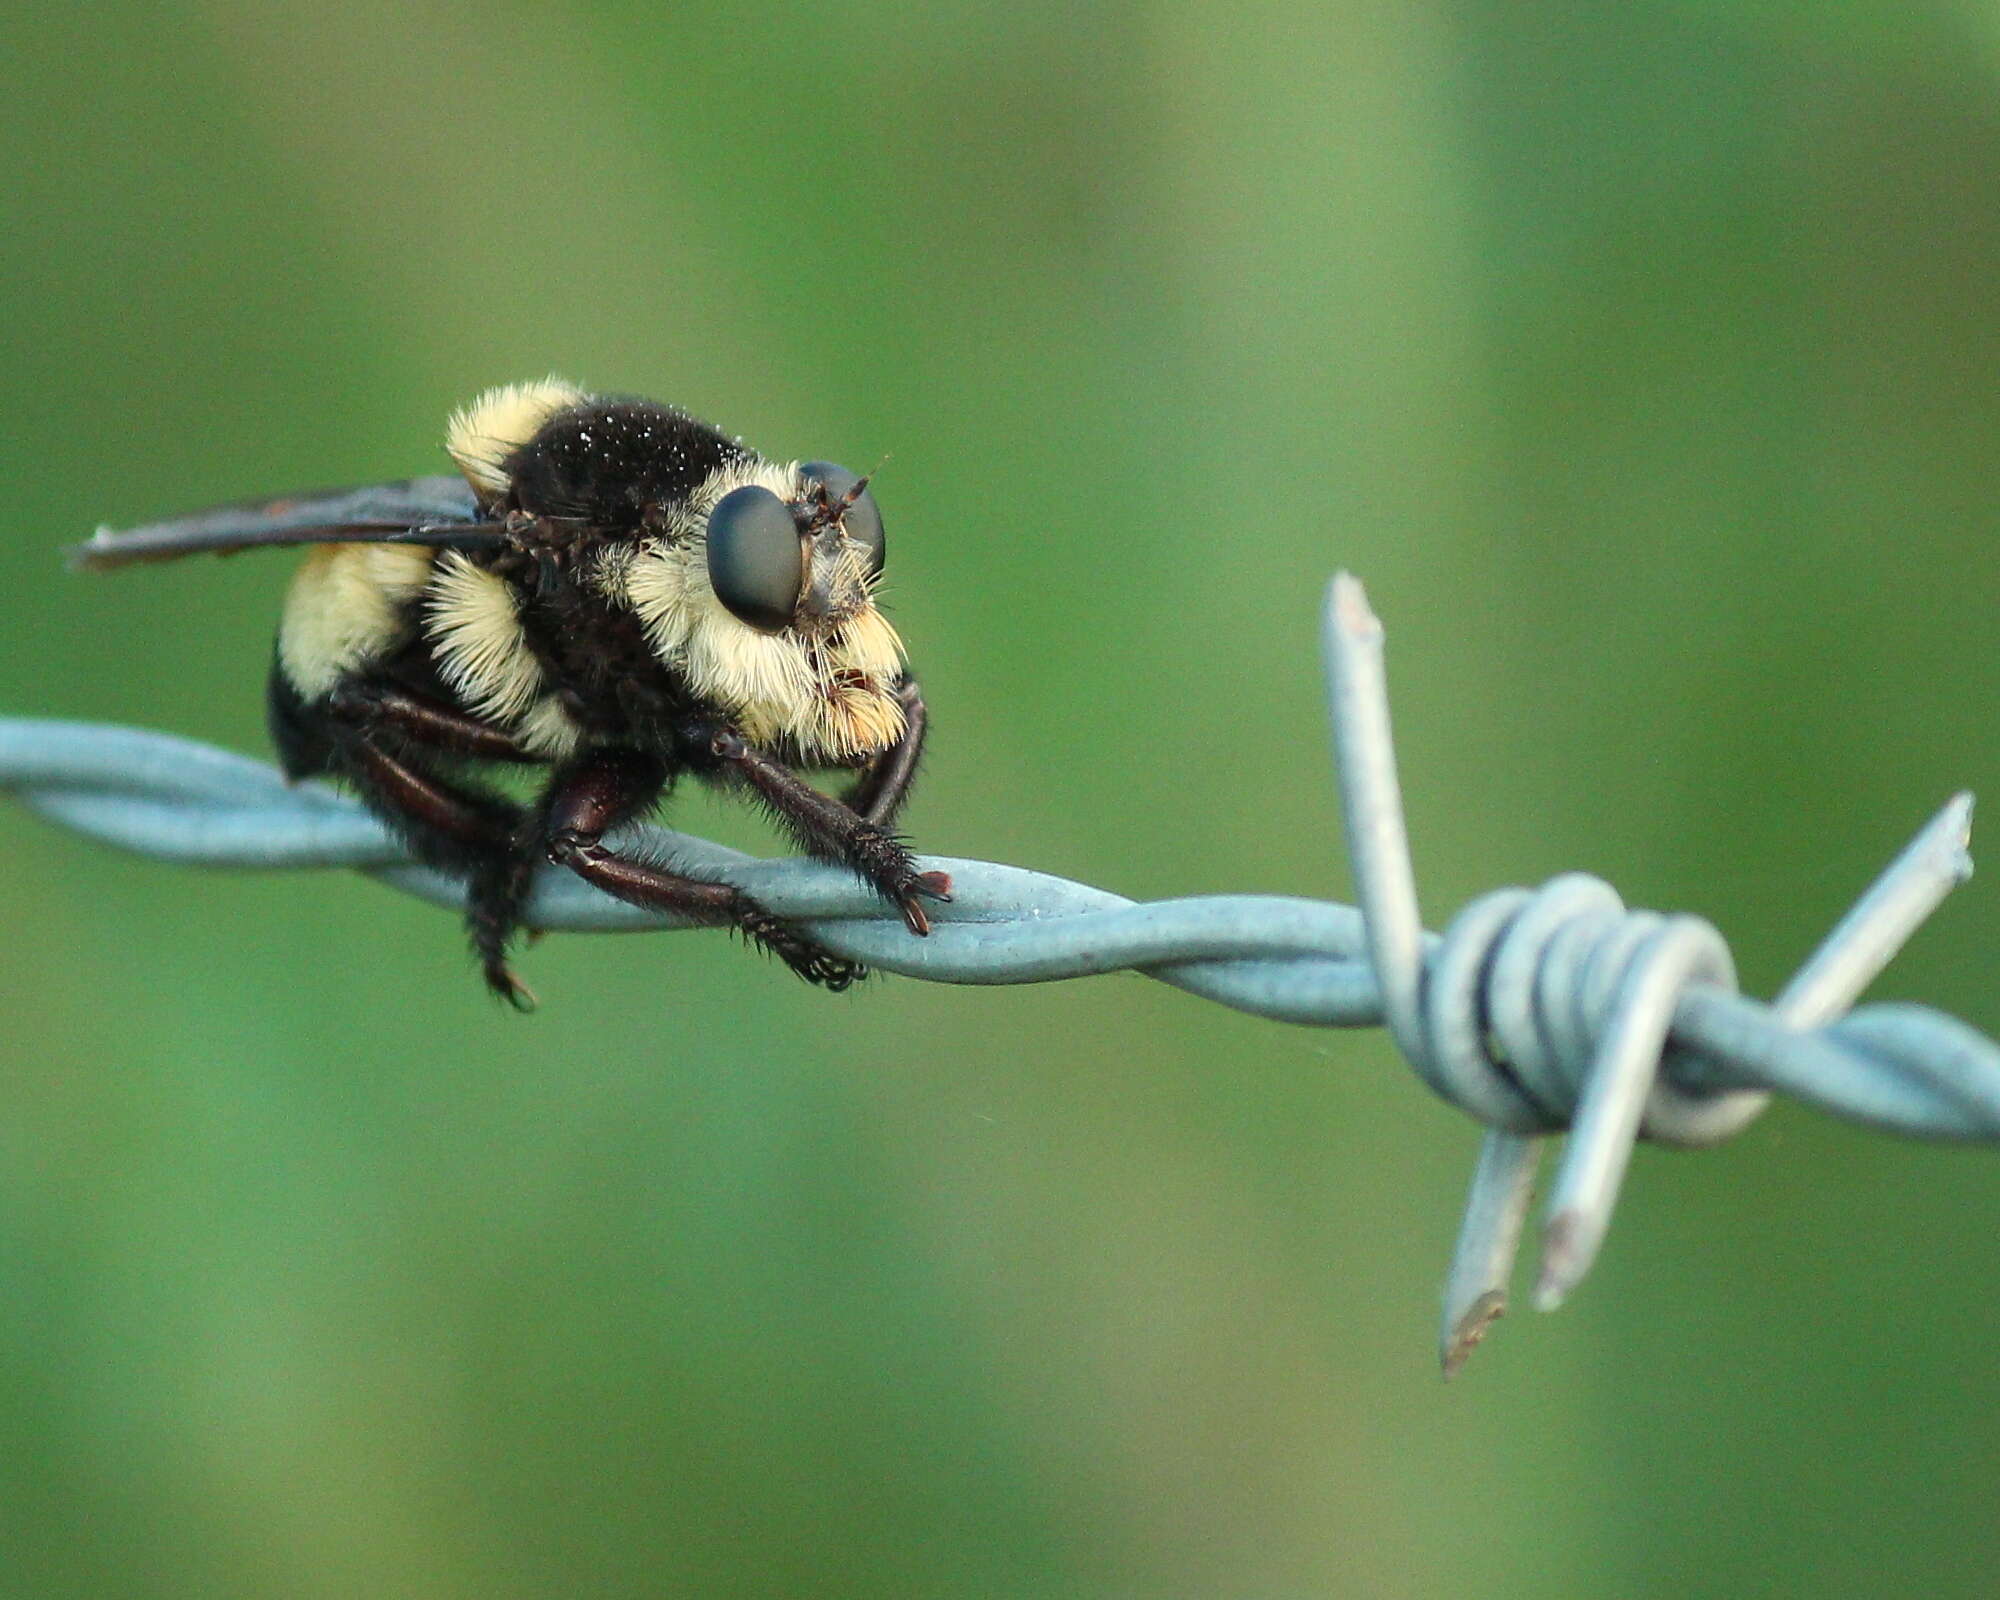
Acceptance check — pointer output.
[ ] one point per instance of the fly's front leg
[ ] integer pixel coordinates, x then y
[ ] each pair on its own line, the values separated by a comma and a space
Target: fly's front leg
827, 829
606, 787
884, 784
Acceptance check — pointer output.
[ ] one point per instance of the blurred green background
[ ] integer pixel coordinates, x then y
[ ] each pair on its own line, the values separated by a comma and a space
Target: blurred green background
1642, 360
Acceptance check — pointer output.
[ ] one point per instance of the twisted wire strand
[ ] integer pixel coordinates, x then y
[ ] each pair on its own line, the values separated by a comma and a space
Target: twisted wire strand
1290, 959
1535, 1011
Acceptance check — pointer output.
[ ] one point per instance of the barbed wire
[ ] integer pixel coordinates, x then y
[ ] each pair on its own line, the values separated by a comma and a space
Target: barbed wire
1536, 1011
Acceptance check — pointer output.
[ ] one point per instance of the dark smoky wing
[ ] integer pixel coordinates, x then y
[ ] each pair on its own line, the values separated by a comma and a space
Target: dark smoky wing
430, 511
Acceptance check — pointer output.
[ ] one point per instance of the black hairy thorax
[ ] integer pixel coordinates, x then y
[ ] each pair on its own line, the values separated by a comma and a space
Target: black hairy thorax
605, 464
602, 474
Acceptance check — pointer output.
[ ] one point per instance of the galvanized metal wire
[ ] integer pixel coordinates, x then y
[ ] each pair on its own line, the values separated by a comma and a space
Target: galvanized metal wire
1535, 1012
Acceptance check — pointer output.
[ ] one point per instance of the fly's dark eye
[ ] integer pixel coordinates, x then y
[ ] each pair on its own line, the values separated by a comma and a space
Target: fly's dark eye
756, 561
863, 519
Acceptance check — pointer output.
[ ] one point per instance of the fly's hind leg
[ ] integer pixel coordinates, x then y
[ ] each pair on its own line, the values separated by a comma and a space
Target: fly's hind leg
385, 740
606, 787
390, 708
461, 830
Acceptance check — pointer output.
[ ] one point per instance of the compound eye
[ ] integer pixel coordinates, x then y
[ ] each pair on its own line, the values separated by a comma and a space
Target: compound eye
756, 560
863, 519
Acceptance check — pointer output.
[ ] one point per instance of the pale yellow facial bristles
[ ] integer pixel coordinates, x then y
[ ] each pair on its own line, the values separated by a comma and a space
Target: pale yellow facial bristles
481, 436
856, 714
828, 696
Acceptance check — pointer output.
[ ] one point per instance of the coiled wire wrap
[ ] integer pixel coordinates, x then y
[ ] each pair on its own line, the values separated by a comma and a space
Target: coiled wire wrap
1534, 1012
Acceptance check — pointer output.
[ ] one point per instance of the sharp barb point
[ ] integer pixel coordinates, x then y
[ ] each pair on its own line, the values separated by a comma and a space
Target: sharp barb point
1567, 1253
1351, 609
1470, 1329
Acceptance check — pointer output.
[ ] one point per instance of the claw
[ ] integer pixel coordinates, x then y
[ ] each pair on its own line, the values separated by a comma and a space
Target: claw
835, 976
507, 987
799, 953
931, 885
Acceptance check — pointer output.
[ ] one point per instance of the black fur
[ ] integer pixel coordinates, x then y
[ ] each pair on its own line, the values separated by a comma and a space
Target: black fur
297, 734
605, 670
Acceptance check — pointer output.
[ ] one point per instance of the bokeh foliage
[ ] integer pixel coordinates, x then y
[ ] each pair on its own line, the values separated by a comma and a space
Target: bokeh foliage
1642, 359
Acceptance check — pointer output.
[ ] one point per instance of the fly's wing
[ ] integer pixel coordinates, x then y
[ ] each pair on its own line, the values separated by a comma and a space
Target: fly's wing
438, 511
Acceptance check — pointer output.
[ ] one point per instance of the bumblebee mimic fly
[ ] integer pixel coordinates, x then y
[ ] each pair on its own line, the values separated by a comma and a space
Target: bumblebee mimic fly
612, 592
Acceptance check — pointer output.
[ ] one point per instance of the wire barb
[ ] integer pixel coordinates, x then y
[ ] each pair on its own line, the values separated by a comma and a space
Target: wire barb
1559, 1008
1533, 1013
